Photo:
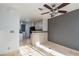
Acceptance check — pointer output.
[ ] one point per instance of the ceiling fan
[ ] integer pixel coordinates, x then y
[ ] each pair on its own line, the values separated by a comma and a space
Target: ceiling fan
54, 10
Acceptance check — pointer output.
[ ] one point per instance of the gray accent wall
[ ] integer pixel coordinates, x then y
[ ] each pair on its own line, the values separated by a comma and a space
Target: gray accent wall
64, 30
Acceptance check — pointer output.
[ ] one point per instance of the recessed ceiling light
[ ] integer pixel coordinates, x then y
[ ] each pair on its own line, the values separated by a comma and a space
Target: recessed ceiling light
11, 11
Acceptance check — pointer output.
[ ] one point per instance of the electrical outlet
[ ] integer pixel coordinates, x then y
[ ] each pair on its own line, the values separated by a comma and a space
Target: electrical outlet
8, 48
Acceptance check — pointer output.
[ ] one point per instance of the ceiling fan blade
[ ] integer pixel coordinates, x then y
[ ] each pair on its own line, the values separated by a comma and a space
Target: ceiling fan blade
62, 5
62, 11
45, 5
45, 13
40, 8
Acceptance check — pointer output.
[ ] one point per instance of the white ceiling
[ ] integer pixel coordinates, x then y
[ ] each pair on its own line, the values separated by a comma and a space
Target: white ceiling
30, 10
26, 10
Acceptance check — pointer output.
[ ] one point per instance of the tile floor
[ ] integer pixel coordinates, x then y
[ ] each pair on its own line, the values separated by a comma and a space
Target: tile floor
25, 49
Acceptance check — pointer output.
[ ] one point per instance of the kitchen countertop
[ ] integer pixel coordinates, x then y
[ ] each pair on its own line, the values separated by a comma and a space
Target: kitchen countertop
38, 31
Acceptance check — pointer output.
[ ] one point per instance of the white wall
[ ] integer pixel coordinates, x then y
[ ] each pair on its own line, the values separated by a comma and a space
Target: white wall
45, 22
9, 21
38, 24
45, 25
